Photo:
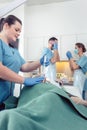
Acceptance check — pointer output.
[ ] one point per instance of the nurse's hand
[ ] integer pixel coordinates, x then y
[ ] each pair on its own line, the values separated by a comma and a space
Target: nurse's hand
69, 55
44, 61
55, 46
33, 81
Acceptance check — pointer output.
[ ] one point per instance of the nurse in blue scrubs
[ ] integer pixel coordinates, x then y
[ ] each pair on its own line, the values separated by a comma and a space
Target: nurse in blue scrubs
79, 67
11, 61
51, 54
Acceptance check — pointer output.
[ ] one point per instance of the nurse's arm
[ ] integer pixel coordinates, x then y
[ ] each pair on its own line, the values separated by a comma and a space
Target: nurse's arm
29, 66
9, 75
56, 57
73, 64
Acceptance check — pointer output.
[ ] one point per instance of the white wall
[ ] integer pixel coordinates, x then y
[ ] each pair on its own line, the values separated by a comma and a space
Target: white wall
57, 19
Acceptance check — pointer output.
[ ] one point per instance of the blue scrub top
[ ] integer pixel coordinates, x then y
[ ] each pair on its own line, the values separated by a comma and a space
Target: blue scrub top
10, 58
48, 53
82, 62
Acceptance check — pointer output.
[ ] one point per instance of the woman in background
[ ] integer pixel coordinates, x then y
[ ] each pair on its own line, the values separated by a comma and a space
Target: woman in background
79, 67
81, 63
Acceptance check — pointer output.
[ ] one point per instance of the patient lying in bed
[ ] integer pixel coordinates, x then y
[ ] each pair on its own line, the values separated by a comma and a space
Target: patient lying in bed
44, 107
73, 92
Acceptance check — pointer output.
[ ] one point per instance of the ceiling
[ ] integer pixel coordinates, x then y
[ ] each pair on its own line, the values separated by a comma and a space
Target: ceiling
37, 2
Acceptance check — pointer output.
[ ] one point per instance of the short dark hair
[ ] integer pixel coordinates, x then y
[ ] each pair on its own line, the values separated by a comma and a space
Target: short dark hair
1, 23
10, 19
81, 45
52, 39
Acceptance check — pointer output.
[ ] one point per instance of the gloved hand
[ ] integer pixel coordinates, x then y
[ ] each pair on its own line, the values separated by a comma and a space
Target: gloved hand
55, 46
33, 81
69, 55
44, 61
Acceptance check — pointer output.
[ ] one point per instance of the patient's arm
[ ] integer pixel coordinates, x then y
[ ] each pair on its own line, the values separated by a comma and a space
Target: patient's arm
78, 100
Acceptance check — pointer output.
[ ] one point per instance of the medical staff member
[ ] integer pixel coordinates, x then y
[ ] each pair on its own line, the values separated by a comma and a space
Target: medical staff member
11, 61
79, 67
51, 54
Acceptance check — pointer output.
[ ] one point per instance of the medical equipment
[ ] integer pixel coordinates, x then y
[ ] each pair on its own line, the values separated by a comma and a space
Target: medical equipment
76, 51
44, 65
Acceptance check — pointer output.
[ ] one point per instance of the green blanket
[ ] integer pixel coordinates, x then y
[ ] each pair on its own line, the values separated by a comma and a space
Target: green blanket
44, 107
